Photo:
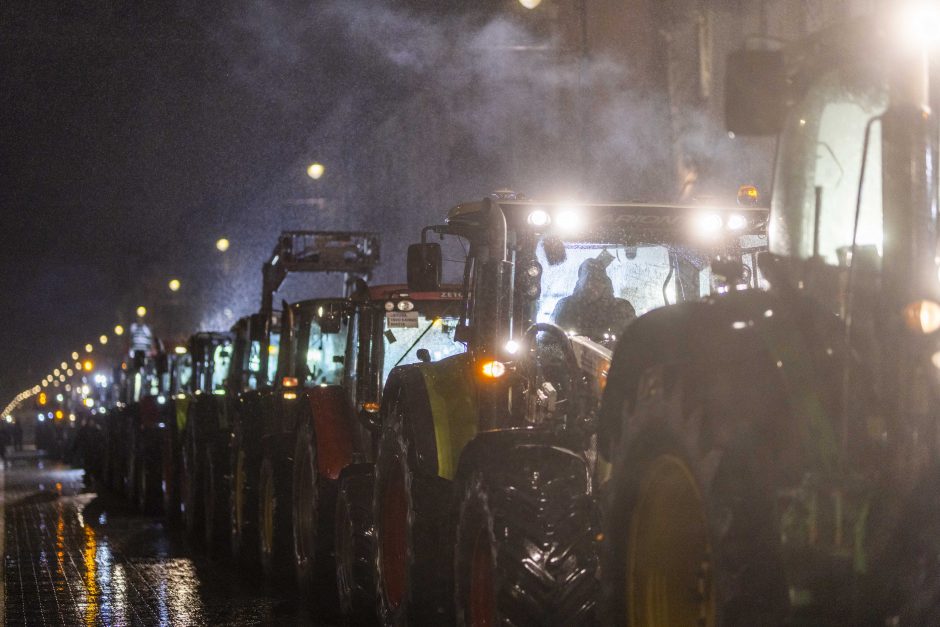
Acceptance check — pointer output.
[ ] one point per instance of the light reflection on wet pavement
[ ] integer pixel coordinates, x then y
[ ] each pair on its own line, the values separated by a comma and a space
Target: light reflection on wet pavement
75, 558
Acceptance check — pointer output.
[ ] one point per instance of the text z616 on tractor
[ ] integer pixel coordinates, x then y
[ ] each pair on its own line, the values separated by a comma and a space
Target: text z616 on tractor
484, 491
776, 453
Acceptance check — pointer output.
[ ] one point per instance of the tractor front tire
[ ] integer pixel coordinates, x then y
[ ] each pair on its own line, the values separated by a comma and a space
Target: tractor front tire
689, 530
525, 542
413, 533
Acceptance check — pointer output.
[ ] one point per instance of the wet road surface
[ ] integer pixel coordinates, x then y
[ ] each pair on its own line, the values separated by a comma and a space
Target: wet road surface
73, 557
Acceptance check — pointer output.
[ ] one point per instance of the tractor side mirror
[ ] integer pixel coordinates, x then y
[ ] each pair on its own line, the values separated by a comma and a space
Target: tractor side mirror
424, 267
756, 92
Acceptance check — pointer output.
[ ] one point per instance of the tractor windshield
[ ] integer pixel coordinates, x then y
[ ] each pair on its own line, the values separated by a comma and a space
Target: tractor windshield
819, 167
414, 336
326, 352
598, 289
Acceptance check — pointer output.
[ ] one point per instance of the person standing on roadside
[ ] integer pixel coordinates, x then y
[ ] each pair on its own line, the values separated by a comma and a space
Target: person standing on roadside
4, 442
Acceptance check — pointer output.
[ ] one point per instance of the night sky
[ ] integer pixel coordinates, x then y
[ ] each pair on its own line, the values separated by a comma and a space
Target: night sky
133, 135
136, 134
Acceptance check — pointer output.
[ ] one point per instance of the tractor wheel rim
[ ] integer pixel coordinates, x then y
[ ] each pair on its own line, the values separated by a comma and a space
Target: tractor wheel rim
394, 537
482, 603
669, 580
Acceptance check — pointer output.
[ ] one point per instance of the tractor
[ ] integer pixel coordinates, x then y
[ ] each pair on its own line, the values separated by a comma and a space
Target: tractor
318, 445
332, 420
775, 453
484, 495
258, 430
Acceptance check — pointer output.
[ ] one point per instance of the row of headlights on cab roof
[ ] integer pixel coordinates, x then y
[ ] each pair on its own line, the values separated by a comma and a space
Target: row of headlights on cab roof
570, 221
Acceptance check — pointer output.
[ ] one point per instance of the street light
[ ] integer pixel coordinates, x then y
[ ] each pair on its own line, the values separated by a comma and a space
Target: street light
89, 348
315, 170
118, 330
103, 339
530, 4
222, 244
174, 285
74, 354
141, 311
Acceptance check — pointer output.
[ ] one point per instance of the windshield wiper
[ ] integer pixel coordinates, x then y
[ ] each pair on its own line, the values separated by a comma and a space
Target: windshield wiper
423, 333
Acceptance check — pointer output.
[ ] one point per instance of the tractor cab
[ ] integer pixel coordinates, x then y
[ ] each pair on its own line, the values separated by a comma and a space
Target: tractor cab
557, 284
396, 326
854, 216
211, 354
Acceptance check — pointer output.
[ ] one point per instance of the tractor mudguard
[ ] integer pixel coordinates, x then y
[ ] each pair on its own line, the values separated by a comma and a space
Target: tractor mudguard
332, 421
182, 411
489, 445
727, 341
438, 403
149, 412
451, 393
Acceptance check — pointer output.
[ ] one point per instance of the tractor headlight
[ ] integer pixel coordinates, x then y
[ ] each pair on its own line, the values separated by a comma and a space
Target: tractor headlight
569, 220
538, 217
708, 224
737, 222
922, 316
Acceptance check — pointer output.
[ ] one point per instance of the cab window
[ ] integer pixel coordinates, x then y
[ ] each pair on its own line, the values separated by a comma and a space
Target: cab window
820, 167
325, 355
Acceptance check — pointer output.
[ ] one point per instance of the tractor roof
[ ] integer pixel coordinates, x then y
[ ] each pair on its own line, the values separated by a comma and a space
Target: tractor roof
629, 223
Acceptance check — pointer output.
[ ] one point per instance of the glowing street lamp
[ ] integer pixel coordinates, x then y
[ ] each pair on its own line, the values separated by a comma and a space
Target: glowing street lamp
88, 365
315, 170
141, 311
118, 330
89, 348
174, 285
222, 244
74, 354
530, 4
103, 339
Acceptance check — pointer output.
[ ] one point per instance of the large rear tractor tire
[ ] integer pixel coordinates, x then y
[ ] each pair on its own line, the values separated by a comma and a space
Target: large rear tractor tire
414, 541
274, 518
312, 506
355, 546
689, 526
526, 541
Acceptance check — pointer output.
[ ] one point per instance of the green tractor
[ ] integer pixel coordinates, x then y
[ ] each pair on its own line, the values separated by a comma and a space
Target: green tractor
393, 326
775, 453
484, 497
